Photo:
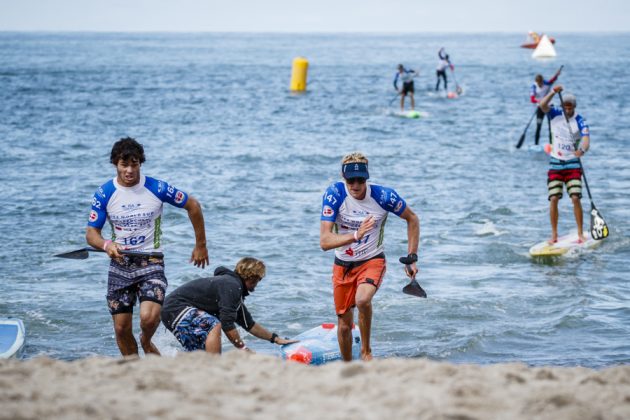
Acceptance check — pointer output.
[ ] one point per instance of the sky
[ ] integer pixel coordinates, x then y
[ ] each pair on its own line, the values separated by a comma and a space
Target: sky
390, 16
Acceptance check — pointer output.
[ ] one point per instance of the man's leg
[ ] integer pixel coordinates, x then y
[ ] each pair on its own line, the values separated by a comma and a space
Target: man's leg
437, 84
365, 293
553, 218
344, 335
402, 101
149, 321
577, 212
538, 127
413, 102
124, 336
213, 342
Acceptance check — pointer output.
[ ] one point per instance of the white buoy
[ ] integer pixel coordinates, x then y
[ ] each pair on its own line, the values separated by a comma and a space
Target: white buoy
544, 49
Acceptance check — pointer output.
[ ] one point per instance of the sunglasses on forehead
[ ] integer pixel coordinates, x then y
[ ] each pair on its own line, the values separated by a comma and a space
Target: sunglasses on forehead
351, 181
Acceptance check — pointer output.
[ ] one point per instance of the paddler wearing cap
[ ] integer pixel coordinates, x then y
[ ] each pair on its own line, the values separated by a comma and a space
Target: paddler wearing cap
568, 145
353, 218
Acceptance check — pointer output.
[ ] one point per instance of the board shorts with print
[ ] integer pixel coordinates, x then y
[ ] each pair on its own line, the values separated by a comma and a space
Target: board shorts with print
347, 276
133, 278
572, 178
192, 327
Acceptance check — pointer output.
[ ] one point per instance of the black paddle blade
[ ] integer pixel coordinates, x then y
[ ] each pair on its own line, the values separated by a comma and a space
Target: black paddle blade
79, 254
599, 228
414, 289
520, 141
459, 90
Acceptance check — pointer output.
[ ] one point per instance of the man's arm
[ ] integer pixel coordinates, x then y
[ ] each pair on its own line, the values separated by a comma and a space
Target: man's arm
413, 236
235, 338
95, 239
555, 76
329, 240
544, 102
261, 332
199, 255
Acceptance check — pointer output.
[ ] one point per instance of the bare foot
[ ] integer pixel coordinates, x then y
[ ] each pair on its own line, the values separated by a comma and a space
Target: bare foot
149, 348
552, 241
366, 357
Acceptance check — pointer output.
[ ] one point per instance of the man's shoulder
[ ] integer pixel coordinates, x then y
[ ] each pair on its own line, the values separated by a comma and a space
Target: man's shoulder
336, 188
106, 190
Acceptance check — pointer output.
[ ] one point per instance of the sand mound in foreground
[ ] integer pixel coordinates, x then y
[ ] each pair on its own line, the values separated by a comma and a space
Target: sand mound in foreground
245, 386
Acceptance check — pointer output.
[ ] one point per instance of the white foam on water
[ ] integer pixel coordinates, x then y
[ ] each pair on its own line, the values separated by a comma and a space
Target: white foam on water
488, 229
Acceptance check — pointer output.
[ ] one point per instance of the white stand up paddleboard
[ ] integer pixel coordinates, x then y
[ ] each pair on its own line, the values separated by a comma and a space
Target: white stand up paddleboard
11, 337
565, 244
319, 345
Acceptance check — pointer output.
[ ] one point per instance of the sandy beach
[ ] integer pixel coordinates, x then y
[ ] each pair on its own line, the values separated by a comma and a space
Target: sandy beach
245, 386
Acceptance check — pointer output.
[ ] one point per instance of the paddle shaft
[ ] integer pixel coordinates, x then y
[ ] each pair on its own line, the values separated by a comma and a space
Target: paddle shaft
566, 118
522, 139
83, 253
394, 98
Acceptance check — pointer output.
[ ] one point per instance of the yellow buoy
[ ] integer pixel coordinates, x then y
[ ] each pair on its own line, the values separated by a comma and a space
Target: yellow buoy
298, 74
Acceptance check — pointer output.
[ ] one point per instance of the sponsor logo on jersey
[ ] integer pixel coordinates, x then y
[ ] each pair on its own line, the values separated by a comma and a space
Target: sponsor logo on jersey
327, 211
179, 197
398, 207
93, 216
349, 252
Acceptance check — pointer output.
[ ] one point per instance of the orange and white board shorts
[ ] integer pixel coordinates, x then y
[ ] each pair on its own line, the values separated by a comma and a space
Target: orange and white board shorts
347, 278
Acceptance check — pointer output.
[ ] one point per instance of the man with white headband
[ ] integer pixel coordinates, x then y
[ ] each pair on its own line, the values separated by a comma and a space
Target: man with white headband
571, 140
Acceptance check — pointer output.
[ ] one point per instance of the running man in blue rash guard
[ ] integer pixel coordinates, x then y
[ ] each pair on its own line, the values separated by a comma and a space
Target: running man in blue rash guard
440, 71
539, 90
132, 203
406, 76
570, 141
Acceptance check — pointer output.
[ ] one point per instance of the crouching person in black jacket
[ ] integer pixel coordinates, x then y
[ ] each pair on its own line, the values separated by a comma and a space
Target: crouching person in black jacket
197, 311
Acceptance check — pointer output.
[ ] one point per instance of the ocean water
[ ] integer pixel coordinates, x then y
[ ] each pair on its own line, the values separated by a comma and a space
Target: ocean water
217, 120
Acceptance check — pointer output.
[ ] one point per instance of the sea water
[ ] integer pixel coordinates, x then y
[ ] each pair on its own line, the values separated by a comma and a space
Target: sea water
217, 120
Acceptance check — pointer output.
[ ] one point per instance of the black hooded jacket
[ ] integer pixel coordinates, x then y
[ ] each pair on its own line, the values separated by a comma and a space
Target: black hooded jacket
222, 296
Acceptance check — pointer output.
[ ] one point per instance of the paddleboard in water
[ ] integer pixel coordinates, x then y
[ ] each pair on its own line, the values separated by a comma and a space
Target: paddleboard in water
411, 114
11, 337
536, 148
566, 244
319, 345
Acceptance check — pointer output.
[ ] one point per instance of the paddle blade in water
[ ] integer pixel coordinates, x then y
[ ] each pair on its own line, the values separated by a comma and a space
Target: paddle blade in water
599, 228
79, 254
414, 289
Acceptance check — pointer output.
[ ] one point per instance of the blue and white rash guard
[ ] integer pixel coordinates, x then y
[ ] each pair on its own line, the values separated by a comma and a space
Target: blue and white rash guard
134, 213
564, 143
406, 76
347, 213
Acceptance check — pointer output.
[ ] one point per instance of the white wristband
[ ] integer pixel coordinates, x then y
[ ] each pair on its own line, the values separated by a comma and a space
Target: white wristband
356, 235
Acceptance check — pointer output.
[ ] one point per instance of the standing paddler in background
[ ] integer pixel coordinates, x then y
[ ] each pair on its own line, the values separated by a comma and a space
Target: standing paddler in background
133, 205
539, 90
406, 76
568, 145
440, 71
352, 223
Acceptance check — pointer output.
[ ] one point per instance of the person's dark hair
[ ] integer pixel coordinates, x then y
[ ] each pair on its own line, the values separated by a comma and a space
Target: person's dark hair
127, 149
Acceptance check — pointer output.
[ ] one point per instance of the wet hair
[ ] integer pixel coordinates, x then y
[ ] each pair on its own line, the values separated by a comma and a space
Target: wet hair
354, 157
400, 67
249, 268
127, 149
539, 78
